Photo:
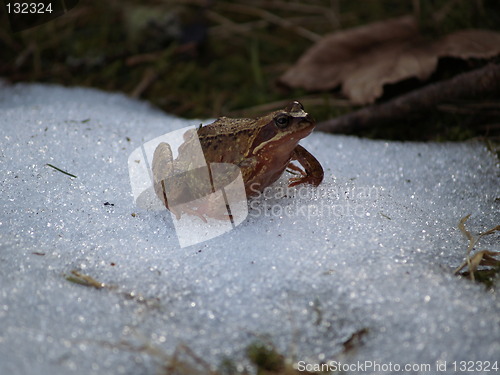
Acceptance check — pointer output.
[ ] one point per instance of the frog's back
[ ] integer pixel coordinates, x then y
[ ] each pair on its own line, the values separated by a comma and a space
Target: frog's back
226, 139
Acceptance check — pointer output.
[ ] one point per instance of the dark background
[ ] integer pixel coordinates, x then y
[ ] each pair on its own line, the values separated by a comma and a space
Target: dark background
202, 58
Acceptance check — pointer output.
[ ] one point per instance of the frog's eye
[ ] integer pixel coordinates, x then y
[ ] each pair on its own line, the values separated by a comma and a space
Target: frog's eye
282, 121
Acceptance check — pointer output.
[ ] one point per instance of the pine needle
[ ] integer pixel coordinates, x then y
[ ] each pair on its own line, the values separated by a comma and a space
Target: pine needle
60, 170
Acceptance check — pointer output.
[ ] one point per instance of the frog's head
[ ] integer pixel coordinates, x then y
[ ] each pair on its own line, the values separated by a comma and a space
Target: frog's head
293, 119
283, 128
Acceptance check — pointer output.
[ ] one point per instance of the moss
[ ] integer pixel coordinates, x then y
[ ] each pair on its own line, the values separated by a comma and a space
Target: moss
265, 357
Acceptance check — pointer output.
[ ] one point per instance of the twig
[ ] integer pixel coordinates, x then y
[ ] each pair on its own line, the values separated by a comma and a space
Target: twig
483, 257
307, 101
85, 280
228, 29
149, 76
453, 108
442, 13
23, 56
472, 242
227, 25
143, 58
60, 170
289, 6
477, 83
301, 8
273, 18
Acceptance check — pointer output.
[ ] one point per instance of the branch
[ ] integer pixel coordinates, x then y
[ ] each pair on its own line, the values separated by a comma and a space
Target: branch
477, 83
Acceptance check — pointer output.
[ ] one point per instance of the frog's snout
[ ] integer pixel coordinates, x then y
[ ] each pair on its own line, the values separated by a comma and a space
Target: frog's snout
308, 119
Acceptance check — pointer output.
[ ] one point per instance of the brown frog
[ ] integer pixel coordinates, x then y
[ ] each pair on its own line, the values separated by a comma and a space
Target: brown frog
260, 148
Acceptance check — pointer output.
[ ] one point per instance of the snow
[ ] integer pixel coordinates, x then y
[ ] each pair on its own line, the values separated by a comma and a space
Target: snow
372, 248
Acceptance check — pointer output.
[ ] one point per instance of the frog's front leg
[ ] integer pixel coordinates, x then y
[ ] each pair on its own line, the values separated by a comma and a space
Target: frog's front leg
313, 171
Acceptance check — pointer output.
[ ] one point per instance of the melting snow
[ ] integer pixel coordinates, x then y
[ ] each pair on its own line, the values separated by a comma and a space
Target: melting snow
372, 249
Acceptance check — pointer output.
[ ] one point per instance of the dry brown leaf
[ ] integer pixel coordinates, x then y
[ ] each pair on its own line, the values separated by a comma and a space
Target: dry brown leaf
366, 58
481, 258
325, 64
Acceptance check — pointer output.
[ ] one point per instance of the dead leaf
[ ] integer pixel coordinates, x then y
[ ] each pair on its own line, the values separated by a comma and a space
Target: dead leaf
328, 61
481, 258
365, 58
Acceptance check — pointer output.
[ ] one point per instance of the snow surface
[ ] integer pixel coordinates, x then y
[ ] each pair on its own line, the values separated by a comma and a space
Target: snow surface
372, 248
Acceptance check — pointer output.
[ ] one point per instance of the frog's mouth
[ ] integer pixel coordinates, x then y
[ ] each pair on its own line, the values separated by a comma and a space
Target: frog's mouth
307, 126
